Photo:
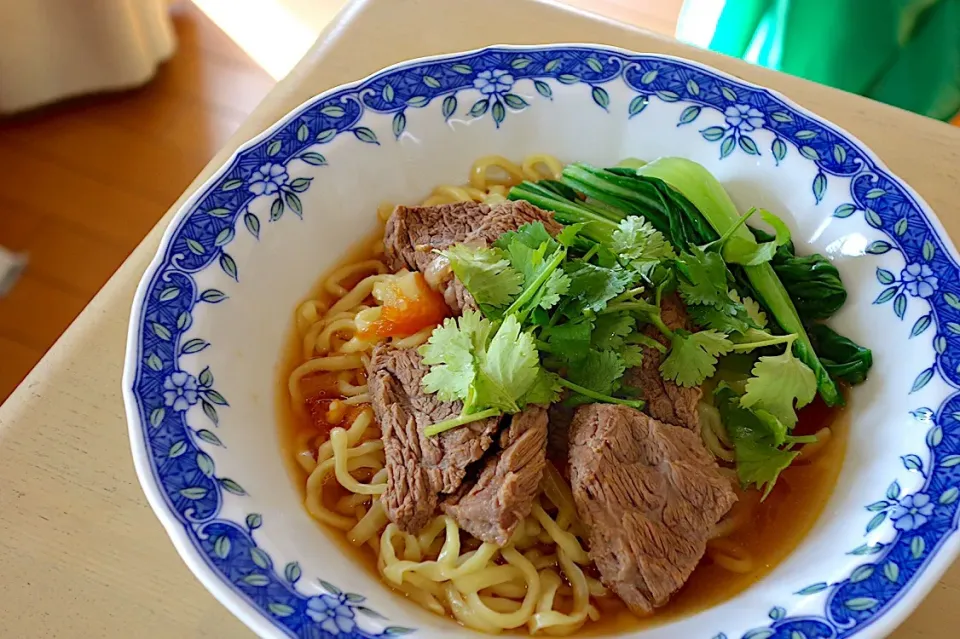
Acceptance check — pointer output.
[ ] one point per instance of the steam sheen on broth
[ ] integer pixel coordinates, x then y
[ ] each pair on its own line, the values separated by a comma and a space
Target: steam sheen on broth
539, 583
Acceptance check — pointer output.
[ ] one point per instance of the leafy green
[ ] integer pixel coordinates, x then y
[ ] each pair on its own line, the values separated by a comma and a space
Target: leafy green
693, 210
569, 341
777, 381
610, 329
509, 372
639, 244
567, 207
704, 278
556, 285
733, 319
777, 429
450, 354
527, 260
780, 228
632, 355
812, 281
591, 286
490, 375
573, 303
485, 272
749, 253
599, 371
614, 194
569, 235
478, 328
842, 357
693, 356
754, 312
756, 441
623, 193
536, 256
531, 235
630, 163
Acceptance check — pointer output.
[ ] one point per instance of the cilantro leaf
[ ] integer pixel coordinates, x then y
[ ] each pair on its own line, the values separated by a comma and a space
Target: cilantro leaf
525, 259
569, 233
756, 437
693, 356
632, 355
777, 381
545, 390
491, 375
540, 317
531, 235
605, 257
760, 463
610, 329
569, 341
721, 319
754, 312
449, 353
704, 278
636, 241
556, 286
508, 369
599, 371
485, 272
591, 287
478, 328
543, 282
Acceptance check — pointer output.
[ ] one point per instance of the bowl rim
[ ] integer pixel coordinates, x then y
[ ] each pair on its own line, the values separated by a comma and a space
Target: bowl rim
900, 606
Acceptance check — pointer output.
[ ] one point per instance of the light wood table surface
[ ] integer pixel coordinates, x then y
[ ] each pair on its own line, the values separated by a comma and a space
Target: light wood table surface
82, 555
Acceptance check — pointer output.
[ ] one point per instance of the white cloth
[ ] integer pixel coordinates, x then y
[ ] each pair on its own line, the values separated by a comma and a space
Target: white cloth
53, 49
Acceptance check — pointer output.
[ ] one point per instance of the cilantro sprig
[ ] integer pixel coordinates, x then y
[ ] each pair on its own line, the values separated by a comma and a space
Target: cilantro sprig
485, 272
492, 370
762, 444
555, 316
780, 384
536, 303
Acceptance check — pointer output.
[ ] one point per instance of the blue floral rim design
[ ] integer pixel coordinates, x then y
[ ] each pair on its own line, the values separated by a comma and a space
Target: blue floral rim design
180, 478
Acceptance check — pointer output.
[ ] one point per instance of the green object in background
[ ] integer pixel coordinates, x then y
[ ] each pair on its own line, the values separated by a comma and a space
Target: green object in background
902, 52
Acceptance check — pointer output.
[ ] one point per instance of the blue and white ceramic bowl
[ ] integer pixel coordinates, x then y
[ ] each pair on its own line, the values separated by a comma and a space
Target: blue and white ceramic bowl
213, 311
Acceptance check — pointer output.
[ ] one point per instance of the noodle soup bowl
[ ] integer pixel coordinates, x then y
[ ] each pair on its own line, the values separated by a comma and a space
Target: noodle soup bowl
213, 315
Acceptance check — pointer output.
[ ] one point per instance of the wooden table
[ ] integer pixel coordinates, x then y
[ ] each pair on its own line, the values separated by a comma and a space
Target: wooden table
81, 554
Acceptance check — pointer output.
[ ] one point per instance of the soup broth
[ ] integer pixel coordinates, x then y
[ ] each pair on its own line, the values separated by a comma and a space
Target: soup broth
775, 526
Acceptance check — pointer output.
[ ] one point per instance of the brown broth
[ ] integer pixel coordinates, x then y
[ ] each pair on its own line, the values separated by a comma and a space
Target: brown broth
776, 527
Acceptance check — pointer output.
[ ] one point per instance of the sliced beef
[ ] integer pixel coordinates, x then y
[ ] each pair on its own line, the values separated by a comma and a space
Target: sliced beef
649, 494
666, 401
558, 436
419, 468
502, 497
414, 232
456, 295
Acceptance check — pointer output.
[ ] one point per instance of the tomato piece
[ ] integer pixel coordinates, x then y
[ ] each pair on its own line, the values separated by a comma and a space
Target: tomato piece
408, 305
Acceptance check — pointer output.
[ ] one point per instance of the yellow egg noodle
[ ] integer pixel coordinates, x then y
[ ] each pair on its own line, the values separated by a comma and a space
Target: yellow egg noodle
537, 580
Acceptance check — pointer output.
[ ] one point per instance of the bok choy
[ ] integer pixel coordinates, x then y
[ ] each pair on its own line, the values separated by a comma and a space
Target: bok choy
684, 202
